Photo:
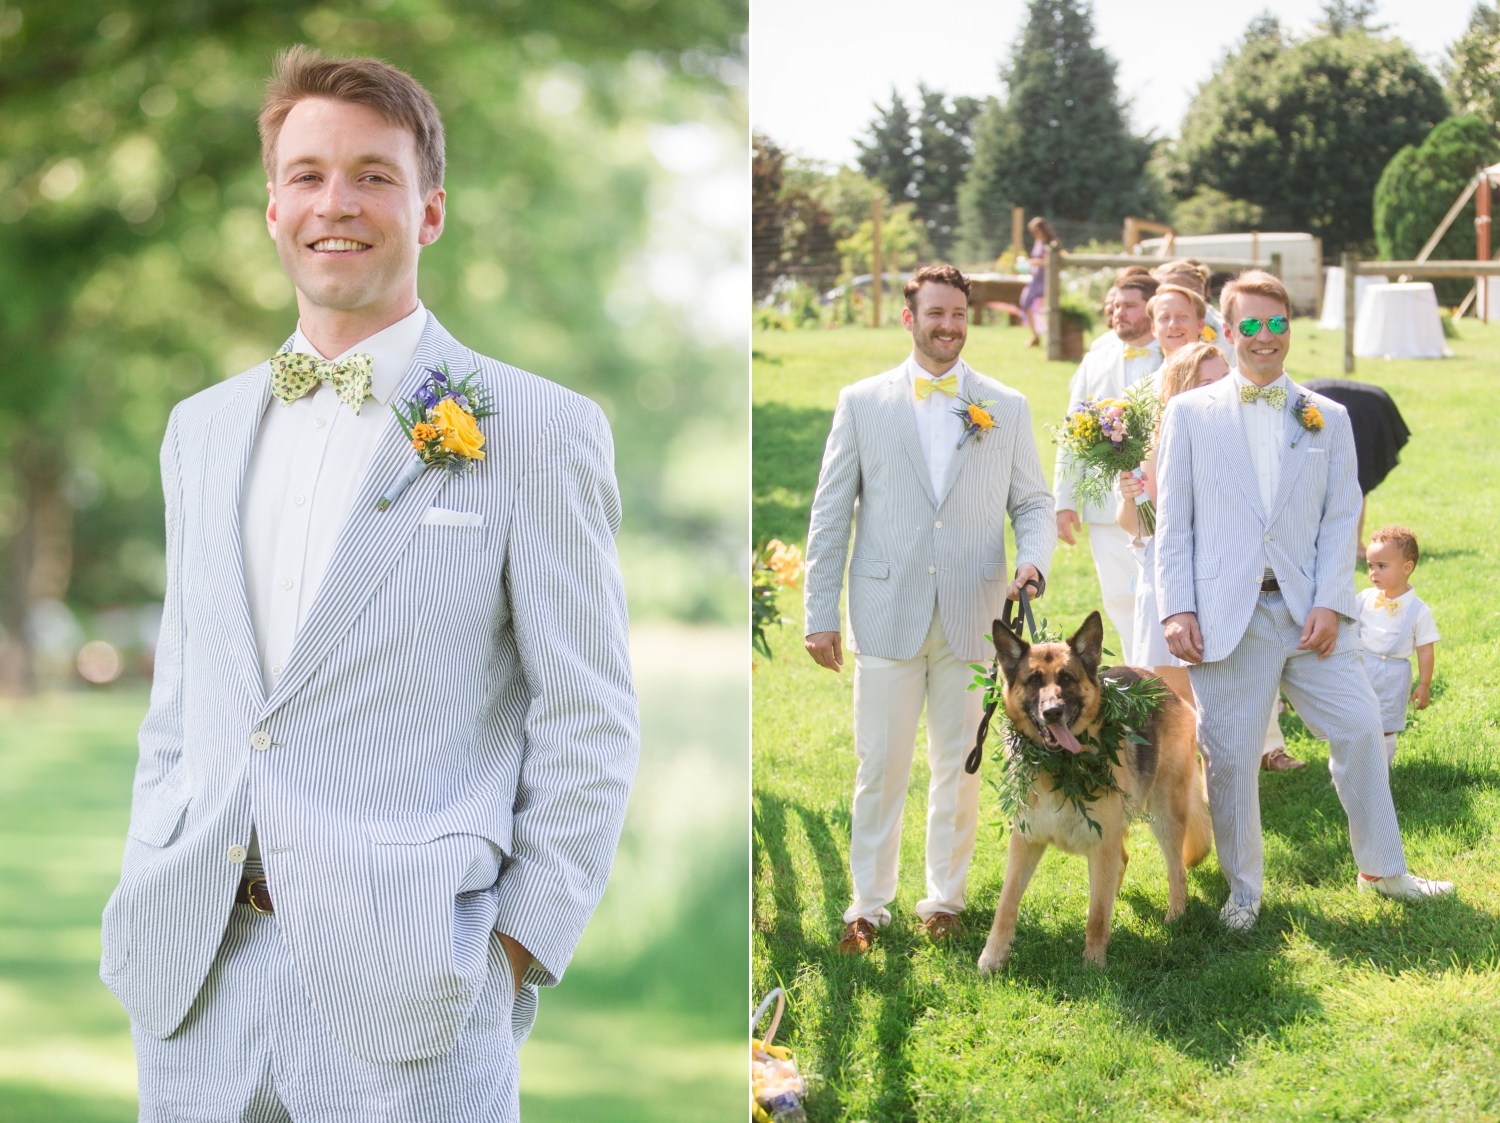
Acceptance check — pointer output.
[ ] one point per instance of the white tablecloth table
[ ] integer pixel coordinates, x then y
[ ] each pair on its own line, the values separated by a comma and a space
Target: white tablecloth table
1333, 296
1400, 321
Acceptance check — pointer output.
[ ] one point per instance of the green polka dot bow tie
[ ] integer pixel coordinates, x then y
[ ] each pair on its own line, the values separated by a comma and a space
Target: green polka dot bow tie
1276, 395
294, 374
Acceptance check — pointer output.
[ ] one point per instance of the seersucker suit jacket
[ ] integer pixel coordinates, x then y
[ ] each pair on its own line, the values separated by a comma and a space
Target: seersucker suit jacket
1214, 538
913, 548
450, 746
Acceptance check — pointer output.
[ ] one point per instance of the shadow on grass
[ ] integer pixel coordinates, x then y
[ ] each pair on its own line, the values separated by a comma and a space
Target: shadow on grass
787, 446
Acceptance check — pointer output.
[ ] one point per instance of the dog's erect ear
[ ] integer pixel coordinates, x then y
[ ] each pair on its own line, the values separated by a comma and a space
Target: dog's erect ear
1010, 649
1088, 642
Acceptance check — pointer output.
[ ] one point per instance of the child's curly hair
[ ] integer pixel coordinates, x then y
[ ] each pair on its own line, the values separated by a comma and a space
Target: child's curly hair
1401, 538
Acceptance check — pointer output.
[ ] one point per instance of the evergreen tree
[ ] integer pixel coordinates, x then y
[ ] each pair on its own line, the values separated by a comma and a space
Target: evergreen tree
1304, 128
1059, 144
889, 155
1473, 68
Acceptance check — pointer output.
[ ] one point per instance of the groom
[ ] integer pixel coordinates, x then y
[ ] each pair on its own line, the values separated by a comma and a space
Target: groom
1256, 512
388, 751
926, 582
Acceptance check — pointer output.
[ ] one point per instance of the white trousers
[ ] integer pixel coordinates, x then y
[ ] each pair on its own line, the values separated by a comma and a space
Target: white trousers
1115, 565
253, 1050
1235, 695
888, 697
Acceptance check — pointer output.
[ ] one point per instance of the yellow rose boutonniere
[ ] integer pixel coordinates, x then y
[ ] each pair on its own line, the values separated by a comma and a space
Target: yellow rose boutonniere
460, 432
1208, 335
1308, 416
442, 424
976, 418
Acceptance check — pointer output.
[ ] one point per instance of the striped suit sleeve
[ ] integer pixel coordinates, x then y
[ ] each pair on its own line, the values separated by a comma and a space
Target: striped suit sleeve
1174, 515
1032, 513
828, 528
1333, 575
161, 731
582, 732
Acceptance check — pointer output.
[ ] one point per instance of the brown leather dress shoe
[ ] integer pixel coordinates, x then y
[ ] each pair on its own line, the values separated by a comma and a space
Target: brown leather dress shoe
1277, 761
941, 925
859, 934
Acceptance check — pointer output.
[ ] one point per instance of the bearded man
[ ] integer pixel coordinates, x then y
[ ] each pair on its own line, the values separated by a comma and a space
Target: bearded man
392, 731
932, 481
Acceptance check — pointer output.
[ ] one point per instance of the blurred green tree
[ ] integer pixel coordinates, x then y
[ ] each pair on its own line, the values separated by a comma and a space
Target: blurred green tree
138, 270
1304, 128
1472, 68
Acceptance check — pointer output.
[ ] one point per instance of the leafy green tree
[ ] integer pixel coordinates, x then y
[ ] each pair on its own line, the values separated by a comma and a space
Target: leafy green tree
1303, 129
1473, 65
138, 270
1059, 144
923, 159
792, 235
1419, 185
1207, 211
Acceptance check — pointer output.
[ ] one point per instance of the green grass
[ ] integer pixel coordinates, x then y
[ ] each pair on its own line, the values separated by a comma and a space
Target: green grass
1337, 1006
646, 1028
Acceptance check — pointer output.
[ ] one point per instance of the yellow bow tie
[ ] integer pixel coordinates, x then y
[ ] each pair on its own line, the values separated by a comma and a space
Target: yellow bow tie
294, 374
1137, 352
947, 385
1391, 606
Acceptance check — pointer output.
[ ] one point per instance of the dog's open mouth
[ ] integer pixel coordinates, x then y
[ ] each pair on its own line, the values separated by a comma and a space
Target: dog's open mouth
1060, 736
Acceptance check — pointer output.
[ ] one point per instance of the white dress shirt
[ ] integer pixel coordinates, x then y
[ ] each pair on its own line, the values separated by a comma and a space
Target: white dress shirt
1265, 431
939, 429
307, 465
1395, 635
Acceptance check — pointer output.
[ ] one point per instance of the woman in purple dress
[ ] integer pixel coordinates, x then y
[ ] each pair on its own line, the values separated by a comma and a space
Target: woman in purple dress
1034, 296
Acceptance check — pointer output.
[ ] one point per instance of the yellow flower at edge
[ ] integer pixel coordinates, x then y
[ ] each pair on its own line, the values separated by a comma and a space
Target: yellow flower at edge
459, 430
1208, 335
421, 433
981, 417
784, 561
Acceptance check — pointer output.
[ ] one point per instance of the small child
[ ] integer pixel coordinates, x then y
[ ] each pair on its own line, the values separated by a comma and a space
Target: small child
1392, 624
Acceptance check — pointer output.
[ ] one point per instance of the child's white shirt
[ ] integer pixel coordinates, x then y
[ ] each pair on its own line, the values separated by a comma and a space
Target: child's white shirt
1397, 634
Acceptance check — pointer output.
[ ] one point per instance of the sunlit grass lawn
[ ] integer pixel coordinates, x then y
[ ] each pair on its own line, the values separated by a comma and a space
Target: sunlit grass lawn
648, 1026
1337, 1005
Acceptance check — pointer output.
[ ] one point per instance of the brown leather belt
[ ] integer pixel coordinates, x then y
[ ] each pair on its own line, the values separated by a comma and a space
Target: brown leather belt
1269, 585
255, 892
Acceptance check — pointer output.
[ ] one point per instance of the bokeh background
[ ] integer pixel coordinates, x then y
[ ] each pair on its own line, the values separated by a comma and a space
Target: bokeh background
597, 212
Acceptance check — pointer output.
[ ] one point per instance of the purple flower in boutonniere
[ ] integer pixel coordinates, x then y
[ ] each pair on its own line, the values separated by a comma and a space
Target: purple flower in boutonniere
1308, 416
441, 422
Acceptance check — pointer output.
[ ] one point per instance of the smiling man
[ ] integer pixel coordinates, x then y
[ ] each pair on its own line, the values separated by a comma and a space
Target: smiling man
926, 582
388, 751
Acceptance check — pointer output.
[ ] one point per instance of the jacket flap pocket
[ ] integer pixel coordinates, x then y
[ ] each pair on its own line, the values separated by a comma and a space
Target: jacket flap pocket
868, 567
156, 815
994, 571
487, 822
1205, 567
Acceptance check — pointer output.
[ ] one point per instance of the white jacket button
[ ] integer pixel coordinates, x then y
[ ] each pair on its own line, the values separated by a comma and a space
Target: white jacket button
237, 854
932, 569
939, 524
260, 740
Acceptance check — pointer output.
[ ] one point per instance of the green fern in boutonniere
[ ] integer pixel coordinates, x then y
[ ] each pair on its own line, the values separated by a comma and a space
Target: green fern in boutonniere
1309, 416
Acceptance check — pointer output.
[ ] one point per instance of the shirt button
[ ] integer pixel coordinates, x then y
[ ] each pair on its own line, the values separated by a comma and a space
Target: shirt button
932, 569
286, 583
301, 499
938, 524
1268, 538
320, 423
237, 854
276, 670
260, 740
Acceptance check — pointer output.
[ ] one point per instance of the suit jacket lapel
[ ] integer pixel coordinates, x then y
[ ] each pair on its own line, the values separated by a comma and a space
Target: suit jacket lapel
1293, 456
227, 446
904, 421
371, 540
1241, 465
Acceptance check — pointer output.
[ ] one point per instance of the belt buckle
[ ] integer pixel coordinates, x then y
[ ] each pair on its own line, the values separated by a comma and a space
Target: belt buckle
250, 894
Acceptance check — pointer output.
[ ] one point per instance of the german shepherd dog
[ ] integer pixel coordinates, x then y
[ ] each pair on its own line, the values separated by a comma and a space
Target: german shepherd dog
1052, 694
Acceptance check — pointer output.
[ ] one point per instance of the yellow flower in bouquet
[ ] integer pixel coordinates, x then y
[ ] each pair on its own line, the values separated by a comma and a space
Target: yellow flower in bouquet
459, 430
784, 561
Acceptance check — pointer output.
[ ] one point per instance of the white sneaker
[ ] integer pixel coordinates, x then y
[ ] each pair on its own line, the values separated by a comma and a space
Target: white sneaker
1405, 887
1238, 918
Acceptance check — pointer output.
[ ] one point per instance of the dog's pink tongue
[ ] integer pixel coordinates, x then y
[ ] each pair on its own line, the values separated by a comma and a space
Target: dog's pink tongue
1064, 737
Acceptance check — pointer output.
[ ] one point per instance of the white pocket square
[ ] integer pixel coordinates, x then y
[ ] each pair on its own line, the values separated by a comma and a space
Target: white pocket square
442, 516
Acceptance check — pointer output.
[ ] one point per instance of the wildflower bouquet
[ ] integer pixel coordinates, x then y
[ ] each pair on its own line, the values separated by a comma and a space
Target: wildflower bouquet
1107, 436
441, 423
775, 566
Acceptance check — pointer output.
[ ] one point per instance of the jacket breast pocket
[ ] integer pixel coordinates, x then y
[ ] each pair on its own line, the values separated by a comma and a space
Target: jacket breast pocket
441, 538
156, 817
869, 567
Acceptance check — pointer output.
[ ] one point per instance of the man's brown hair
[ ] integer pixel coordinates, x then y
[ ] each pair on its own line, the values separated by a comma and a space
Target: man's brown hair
1187, 269
1200, 308
933, 274
1401, 538
1142, 282
1256, 282
303, 72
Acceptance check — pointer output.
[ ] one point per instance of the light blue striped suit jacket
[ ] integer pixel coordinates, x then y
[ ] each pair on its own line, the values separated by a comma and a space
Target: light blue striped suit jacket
453, 738
1214, 539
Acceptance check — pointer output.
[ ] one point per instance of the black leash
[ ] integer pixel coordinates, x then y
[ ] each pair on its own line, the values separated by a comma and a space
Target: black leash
1012, 620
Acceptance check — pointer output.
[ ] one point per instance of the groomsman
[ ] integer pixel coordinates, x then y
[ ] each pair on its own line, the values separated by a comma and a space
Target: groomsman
1107, 373
1190, 273
926, 582
1257, 504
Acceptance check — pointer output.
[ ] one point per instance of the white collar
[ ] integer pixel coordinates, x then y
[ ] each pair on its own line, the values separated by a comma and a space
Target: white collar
915, 370
392, 348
